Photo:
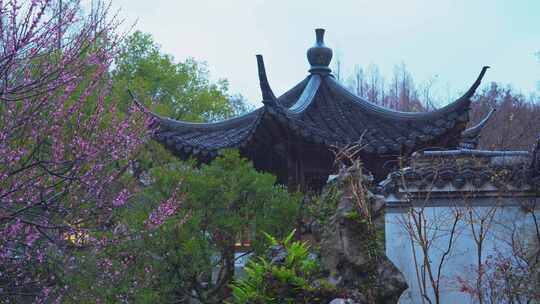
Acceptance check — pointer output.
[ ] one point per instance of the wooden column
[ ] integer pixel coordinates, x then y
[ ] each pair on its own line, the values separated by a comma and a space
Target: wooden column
295, 168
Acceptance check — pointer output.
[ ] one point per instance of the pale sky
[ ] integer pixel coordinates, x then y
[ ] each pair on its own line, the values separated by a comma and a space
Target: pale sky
451, 40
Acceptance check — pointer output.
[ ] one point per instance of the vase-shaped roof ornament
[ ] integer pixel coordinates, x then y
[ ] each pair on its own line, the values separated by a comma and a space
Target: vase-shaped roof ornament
319, 56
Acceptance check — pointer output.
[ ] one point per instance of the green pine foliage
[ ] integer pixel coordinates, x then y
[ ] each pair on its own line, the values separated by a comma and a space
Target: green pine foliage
189, 255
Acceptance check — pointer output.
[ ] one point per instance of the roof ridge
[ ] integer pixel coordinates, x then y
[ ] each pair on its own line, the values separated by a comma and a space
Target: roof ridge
308, 95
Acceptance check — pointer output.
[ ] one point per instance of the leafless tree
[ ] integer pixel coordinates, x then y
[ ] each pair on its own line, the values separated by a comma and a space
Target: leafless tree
423, 231
515, 124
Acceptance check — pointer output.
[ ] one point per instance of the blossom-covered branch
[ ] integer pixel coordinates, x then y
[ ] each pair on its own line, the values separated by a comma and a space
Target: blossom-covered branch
64, 145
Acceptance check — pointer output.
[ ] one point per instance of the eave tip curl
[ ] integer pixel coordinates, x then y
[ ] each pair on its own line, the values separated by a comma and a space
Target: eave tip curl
477, 83
139, 105
268, 97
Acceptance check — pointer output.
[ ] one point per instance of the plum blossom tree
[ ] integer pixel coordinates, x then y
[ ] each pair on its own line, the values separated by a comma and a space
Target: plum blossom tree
64, 146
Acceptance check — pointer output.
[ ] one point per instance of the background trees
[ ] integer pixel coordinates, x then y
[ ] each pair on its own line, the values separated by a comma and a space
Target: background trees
180, 90
515, 125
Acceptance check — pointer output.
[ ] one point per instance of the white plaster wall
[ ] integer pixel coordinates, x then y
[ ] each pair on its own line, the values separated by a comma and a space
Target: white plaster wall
463, 254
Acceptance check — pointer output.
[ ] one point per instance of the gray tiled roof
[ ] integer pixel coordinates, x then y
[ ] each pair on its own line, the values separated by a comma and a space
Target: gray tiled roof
319, 110
431, 170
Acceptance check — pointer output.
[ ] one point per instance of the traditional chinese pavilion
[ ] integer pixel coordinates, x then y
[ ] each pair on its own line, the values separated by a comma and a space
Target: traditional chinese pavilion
293, 135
